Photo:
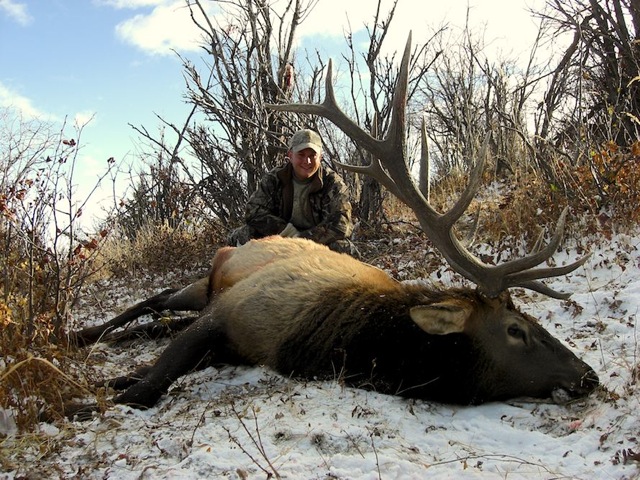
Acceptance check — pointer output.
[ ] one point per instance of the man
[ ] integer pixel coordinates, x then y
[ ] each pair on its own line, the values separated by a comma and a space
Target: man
300, 199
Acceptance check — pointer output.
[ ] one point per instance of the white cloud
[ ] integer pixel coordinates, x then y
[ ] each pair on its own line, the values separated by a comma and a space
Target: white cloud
12, 99
507, 24
161, 26
131, 4
17, 11
168, 26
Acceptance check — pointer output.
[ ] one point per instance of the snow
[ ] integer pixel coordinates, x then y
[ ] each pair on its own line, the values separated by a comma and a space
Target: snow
246, 423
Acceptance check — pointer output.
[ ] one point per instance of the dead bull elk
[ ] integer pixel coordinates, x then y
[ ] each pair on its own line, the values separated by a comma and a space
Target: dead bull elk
306, 311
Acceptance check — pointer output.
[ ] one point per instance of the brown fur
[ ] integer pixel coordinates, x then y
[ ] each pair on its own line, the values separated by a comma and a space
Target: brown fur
232, 264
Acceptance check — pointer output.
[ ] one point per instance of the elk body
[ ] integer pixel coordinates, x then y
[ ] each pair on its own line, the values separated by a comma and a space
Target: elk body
306, 311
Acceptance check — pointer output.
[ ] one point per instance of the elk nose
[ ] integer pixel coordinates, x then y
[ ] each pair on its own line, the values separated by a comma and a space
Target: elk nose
589, 381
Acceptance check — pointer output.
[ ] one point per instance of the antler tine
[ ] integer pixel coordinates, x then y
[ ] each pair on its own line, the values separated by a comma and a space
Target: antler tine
521, 272
493, 279
389, 167
538, 257
527, 279
374, 169
475, 179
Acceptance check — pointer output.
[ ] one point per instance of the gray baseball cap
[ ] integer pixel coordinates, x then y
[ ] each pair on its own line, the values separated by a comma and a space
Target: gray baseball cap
305, 139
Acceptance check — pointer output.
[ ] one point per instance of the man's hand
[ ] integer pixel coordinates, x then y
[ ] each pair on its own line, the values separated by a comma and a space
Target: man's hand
290, 231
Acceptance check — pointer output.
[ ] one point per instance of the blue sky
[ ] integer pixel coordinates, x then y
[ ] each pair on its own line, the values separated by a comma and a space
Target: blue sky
111, 60
65, 58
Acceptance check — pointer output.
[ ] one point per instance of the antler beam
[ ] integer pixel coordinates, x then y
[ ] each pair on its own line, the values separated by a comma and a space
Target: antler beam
389, 167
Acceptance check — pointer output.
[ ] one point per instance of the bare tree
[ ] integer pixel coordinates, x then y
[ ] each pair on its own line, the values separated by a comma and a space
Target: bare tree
160, 193
371, 99
249, 62
470, 96
24, 144
591, 101
594, 90
45, 249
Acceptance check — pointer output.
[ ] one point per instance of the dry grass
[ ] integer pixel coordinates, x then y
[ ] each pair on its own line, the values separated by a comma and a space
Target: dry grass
159, 248
35, 384
521, 206
39, 374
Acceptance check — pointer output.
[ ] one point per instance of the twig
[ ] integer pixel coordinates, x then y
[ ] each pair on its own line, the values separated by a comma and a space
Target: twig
257, 442
353, 442
375, 452
504, 457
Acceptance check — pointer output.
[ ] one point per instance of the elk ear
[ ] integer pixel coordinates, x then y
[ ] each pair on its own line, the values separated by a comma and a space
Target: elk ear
441, 318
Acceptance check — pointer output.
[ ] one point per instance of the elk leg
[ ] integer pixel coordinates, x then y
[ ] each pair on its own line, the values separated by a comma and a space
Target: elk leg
203, 340
154, 330
192, 297
121, 383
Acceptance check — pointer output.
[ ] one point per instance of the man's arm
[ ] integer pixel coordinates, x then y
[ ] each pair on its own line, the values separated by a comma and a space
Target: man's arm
263, 207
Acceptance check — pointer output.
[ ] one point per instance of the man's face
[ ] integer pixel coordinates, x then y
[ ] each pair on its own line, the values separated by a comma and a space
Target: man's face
305, 163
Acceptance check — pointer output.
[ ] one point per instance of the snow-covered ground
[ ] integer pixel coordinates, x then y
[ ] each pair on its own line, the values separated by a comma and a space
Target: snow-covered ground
243, 423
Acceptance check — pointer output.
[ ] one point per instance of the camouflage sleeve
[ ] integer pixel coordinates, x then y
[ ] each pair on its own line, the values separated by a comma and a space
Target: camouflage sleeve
336, 221
263, 208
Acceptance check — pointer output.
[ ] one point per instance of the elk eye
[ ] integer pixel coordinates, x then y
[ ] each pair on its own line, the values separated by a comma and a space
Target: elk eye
516, 332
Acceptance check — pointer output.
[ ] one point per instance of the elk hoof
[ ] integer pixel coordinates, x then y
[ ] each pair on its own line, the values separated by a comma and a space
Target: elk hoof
142, 395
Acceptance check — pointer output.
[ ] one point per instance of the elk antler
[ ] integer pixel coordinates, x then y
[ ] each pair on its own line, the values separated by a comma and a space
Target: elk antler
389, 167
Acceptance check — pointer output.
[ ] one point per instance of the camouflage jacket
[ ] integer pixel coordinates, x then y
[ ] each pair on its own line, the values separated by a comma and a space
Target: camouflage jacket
269, 208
